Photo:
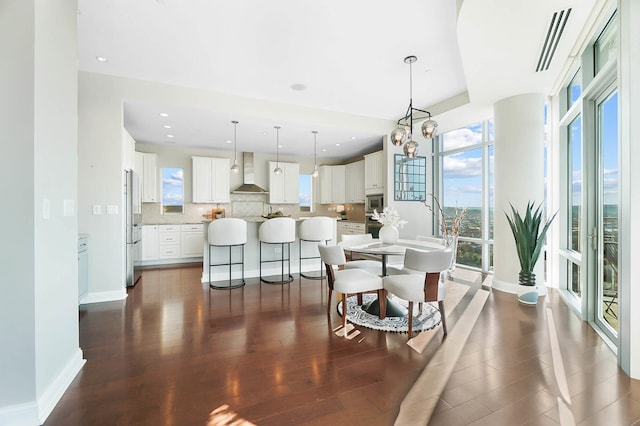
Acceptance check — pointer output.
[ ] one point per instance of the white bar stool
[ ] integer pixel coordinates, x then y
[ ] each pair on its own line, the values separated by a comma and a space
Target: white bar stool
227, 232
279, 230
315, 230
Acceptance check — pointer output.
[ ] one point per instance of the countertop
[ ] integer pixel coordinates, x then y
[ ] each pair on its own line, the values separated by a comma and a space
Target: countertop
83, 235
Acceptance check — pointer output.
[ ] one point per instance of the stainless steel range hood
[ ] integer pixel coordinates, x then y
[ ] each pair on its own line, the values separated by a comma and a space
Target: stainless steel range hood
248, 186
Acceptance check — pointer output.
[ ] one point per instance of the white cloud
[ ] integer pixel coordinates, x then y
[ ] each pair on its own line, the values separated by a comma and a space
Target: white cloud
457, 167
461, 137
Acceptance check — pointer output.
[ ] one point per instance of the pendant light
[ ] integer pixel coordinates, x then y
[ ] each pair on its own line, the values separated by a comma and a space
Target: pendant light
235, 168
277, 170
402, 135
315, 173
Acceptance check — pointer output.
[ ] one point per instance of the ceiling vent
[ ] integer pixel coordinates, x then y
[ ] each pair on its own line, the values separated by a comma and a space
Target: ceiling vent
554, 32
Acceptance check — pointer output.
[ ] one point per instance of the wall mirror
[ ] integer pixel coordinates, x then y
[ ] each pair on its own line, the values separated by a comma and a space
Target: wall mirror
410, 178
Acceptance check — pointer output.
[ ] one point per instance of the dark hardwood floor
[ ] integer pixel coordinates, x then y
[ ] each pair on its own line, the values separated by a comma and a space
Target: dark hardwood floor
176, 350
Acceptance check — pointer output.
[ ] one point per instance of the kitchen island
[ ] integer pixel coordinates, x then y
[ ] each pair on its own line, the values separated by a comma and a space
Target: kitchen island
252, 254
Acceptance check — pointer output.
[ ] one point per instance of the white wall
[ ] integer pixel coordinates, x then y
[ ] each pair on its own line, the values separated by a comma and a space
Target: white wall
39, 311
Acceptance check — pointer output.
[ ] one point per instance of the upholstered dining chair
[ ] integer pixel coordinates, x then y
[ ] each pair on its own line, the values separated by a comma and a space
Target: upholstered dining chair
349, 281
422, 282
373, 266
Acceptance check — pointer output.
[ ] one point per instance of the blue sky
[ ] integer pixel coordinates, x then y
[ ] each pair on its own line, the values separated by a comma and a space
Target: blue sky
172, 186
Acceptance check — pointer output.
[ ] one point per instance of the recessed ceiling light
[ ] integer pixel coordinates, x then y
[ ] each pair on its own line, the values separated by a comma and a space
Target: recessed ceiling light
101, 59
337, 144
164, 114
169, 136
166, 126
324, 150
280, 146
353, 137
228, 141
298, 87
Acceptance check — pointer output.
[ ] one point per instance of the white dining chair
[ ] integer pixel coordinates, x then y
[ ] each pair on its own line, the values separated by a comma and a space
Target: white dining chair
349, 281
425, 285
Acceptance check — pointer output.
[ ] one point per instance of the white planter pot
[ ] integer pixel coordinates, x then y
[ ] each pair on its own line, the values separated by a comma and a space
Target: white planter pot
528, 295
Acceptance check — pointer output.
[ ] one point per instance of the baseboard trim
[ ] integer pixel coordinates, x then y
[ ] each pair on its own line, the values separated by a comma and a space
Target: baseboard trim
19, 414
103, 296
53, 393
36, 412
267, 271
513, 288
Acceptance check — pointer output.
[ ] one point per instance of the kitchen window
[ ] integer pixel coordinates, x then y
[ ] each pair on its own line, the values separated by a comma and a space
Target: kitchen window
172, 190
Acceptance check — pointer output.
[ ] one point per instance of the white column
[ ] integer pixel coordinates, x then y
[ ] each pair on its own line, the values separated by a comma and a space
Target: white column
518, 178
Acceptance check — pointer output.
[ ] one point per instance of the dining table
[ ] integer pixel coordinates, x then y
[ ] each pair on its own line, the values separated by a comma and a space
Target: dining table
382, 251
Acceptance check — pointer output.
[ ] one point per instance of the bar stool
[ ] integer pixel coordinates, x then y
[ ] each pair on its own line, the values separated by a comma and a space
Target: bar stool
315, 230
282, 231
227, 232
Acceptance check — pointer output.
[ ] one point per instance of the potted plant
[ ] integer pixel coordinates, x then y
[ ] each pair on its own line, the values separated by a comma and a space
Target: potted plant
529, 240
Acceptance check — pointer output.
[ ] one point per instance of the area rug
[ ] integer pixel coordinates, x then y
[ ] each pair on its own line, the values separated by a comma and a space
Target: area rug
428, 319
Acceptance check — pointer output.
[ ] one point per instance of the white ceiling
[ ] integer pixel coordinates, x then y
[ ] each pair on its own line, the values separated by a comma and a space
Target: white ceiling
348, 54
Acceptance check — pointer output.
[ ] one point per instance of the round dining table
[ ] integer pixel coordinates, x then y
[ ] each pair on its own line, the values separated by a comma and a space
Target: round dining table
382, 251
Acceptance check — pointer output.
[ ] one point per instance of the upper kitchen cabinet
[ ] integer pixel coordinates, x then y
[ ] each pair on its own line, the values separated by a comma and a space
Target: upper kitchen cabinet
332, 184
145, 168
210, 180
374, 173
354, 182
285, 187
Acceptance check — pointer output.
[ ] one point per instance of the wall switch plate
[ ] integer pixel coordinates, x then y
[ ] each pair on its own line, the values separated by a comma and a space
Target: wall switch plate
46, 208
111, 209
69, 207
97, 209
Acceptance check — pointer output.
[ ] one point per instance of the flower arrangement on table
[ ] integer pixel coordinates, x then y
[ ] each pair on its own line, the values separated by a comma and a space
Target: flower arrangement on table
390, 220
453, 229
389, 217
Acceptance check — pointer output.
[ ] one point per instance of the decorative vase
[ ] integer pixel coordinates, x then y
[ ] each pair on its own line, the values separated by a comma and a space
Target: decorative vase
451, 241
528, 291
389, 234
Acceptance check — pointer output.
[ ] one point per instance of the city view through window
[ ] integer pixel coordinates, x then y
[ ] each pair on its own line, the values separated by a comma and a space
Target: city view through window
463, 156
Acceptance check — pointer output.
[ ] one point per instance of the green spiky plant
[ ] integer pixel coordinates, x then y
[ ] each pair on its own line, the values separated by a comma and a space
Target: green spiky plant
529, 239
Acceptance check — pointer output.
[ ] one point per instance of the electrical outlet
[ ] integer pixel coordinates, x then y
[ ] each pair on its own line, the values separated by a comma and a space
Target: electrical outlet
97, 209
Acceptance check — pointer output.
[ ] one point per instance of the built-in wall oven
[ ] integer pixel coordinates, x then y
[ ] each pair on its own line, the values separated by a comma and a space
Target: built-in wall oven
373, 202
372, 227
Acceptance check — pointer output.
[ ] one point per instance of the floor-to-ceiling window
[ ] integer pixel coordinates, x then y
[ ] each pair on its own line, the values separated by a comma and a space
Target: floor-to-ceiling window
590, 195
465, 158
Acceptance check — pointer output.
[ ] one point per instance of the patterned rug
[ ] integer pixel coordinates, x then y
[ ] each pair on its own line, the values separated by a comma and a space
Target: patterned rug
429, 318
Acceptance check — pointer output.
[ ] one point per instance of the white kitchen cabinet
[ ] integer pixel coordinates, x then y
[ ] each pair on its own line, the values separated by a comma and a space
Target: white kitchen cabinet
168, 241
332, 184
349, 228
145, 168
191, 240
285, 187
374, 173
149, 242
354, 182
210, 180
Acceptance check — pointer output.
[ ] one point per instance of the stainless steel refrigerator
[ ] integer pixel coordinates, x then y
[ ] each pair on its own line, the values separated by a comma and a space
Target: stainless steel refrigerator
133, 214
